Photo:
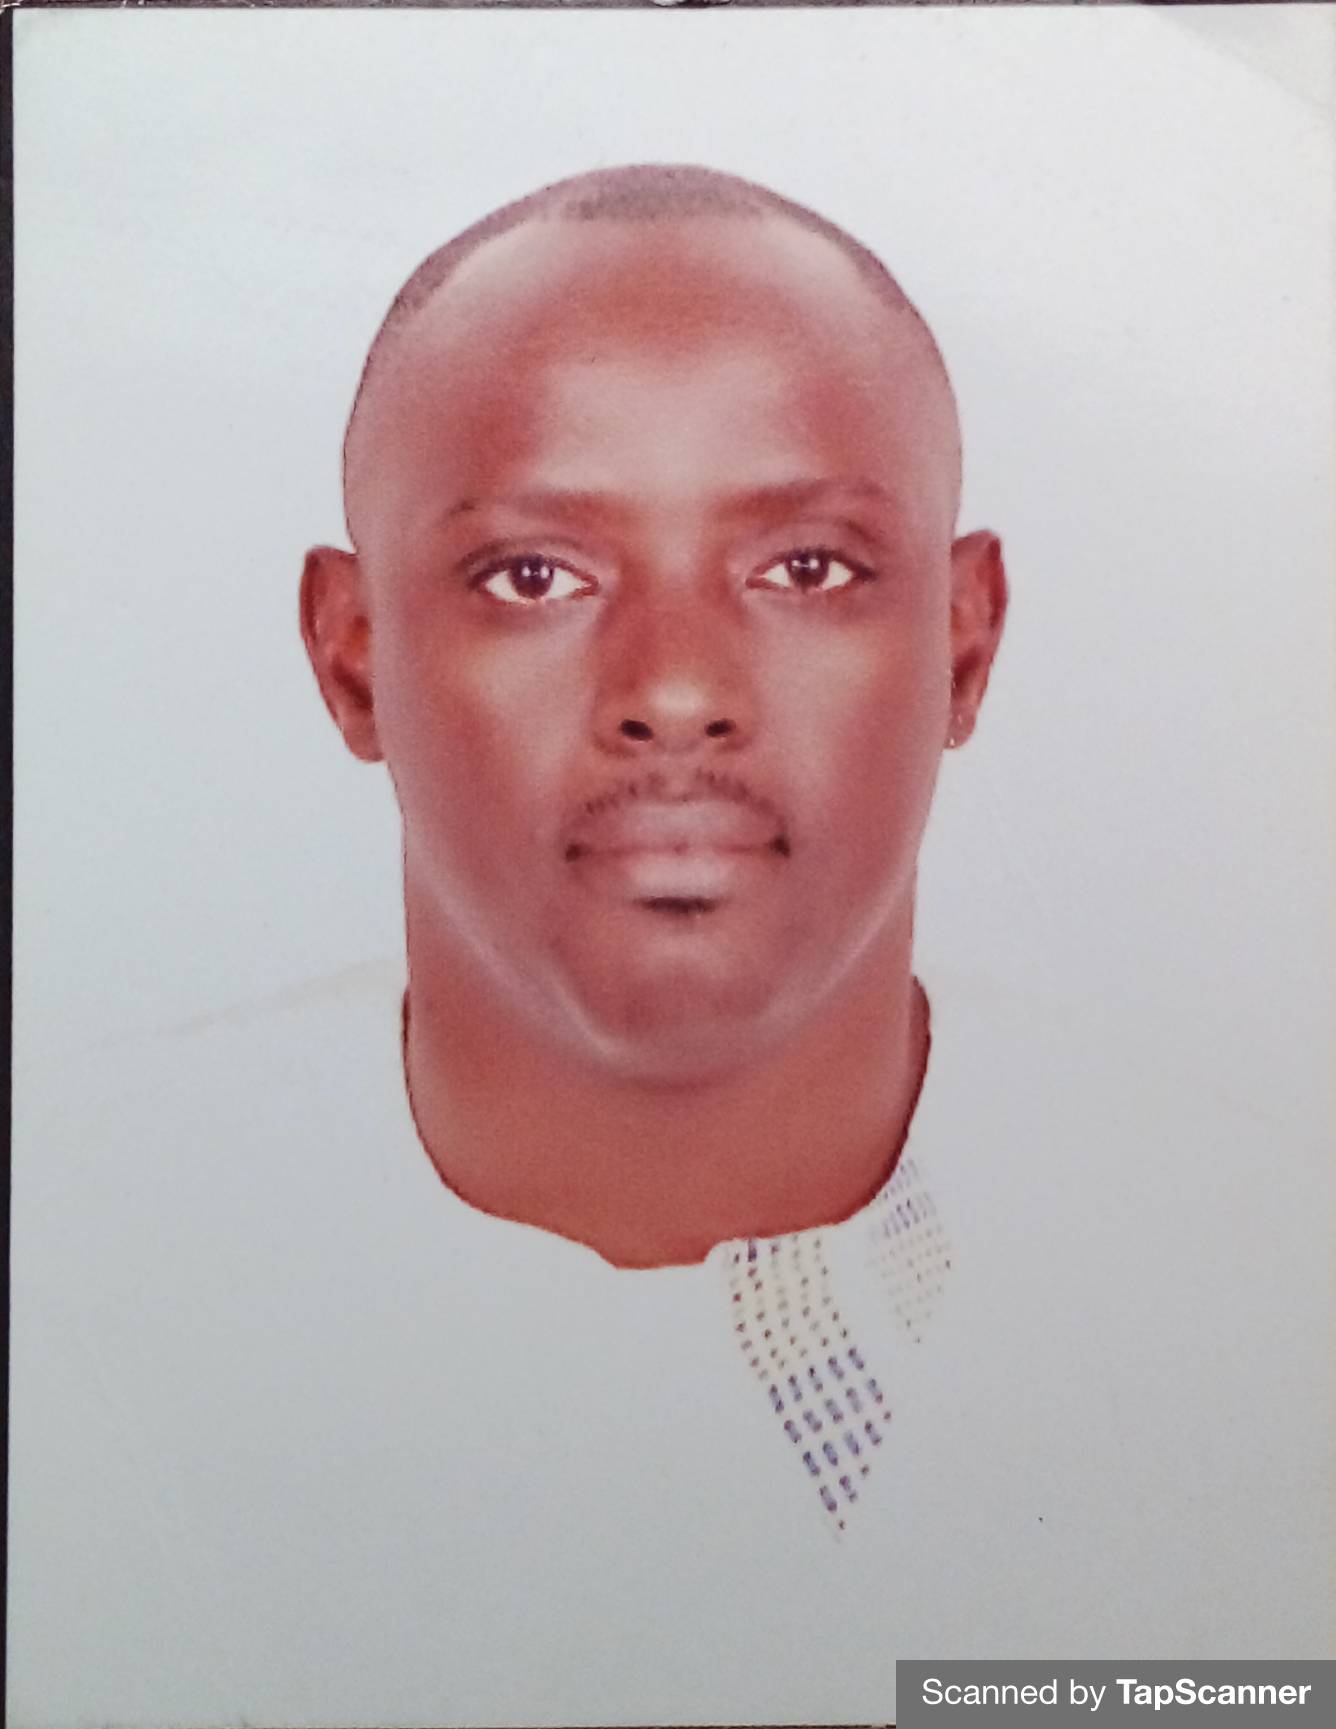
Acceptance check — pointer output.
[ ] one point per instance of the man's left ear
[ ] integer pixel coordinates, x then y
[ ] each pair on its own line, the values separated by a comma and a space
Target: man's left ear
978, 611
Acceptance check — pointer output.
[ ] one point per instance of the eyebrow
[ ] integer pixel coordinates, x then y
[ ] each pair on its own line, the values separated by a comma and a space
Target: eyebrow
537, 501
793, 494
572, 501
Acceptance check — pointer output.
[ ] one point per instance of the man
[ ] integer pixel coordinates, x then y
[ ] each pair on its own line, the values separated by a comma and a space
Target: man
658, 617
705, 1335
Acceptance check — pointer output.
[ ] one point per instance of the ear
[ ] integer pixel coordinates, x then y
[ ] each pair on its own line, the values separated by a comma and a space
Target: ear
978, 611
336, 628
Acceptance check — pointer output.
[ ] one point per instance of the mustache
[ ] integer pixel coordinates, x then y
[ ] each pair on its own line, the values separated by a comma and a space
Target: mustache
699, 786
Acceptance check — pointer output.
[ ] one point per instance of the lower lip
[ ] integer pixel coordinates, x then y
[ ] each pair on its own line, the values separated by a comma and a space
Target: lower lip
670, 882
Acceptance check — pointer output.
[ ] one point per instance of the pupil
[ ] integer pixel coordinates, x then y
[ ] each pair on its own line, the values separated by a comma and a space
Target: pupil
531, 577
808, 568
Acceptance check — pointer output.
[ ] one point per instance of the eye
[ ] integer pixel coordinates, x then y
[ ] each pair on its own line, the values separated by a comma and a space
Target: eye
810, 571
529, 580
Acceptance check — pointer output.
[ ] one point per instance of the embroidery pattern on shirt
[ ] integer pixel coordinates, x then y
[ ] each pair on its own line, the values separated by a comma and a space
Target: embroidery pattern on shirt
797, 1345
910, 1248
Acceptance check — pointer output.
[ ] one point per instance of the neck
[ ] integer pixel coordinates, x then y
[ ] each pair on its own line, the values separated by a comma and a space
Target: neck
648, 1175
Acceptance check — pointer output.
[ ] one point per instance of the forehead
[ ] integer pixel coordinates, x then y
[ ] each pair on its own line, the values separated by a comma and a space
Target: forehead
587, 343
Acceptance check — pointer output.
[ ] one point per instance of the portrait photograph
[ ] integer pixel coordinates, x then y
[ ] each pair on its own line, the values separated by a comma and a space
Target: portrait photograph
673, 857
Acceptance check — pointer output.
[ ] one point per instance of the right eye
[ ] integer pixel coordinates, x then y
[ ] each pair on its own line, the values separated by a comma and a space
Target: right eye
531, 581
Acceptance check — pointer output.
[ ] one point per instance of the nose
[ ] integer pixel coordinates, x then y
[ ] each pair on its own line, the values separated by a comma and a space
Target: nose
674, 684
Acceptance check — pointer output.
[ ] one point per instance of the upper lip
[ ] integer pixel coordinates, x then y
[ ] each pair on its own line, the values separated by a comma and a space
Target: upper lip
707, 814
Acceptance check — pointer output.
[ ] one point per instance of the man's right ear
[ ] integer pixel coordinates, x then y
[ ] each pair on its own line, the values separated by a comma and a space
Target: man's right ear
336, 628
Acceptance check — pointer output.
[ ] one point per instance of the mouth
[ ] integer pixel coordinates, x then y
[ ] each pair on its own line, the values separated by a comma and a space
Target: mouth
676, 906
677, 883
677, 858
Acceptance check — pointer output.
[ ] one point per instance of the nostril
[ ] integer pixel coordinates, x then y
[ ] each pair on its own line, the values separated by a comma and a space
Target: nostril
719, 729
636, 729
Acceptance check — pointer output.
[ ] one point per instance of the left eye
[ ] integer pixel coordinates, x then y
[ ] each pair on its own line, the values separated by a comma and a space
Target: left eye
530, 581
809, 572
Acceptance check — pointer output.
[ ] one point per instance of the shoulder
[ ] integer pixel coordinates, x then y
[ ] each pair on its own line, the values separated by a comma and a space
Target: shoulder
1140, 1300
206, 1140
1126, 1210
1035, 1100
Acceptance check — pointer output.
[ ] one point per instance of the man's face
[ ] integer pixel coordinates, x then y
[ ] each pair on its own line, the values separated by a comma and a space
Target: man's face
654, 543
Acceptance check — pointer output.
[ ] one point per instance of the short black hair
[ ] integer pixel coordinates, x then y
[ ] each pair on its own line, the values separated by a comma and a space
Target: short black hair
640, 192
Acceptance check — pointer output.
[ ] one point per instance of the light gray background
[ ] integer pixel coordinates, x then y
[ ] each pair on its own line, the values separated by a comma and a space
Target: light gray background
1118, 225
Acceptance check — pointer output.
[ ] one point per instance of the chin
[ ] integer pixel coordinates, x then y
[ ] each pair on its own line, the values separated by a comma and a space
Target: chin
684, 1014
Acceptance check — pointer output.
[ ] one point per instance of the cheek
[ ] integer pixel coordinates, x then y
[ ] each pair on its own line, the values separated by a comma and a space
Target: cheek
476, 735
858, 721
